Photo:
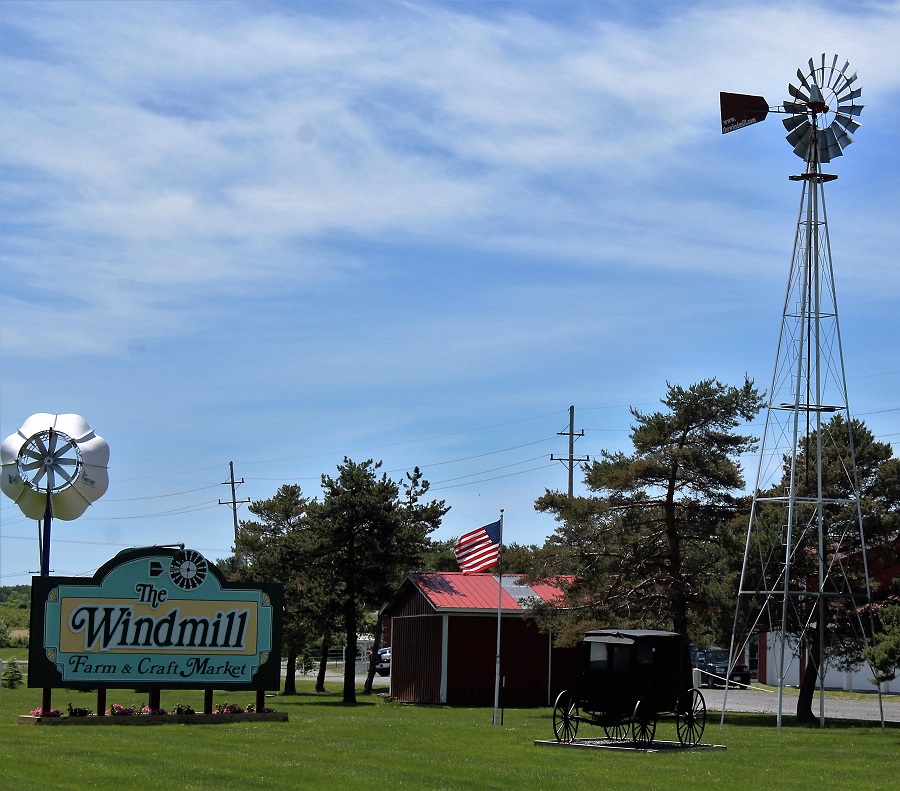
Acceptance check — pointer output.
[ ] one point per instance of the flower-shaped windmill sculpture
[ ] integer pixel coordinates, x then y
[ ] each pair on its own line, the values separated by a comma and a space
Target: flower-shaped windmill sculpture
55, 465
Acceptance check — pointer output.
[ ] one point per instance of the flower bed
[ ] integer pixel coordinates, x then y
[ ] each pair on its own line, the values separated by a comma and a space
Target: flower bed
117, 714
155, 719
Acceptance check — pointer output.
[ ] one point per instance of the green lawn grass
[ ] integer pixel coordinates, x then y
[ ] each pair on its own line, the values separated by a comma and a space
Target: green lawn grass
385, 746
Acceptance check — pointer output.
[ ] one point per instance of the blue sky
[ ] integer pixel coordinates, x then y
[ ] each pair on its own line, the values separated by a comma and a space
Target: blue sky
282, 233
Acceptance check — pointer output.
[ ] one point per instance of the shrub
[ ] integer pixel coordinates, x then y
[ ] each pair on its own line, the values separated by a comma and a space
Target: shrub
12, 675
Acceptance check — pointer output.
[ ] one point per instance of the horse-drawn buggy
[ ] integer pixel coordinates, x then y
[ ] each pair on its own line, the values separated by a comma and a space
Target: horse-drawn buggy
629, 680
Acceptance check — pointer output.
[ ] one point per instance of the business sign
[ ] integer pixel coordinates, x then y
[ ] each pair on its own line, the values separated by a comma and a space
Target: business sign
155, 617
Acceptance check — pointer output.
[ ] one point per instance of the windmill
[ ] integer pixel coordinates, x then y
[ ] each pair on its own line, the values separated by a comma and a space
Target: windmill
54, 465
805, 568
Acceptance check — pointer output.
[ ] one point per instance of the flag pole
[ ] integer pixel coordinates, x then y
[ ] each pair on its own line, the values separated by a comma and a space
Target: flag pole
499, 600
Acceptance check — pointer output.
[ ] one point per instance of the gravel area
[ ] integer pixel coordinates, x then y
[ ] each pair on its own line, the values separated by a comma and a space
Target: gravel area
843, 707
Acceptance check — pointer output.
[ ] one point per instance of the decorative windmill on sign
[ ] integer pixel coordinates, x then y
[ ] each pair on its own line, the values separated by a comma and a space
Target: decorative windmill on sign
804, 585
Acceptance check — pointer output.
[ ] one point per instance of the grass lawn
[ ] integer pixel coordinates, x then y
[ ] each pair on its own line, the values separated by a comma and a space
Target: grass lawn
387, 746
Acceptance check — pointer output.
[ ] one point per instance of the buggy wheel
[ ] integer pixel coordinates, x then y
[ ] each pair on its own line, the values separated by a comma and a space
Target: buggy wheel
565, 717
618, 730
690, 718
643, 728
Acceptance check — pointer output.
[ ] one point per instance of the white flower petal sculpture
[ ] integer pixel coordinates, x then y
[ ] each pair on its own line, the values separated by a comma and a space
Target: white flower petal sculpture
59, 454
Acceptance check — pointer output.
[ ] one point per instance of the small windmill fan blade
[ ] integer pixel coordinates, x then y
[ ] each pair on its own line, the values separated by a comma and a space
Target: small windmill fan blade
793, 122
800, 133
850, 109
798, 94
842, 138
802, 146
850, 96
829, 144
847, 122
802, 78
831, 72
792, 107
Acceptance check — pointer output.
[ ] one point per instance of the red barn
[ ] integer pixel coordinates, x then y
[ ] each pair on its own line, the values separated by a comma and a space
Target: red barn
443, 636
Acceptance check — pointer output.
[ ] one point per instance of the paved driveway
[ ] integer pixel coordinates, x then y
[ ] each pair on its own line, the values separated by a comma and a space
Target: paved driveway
857, 707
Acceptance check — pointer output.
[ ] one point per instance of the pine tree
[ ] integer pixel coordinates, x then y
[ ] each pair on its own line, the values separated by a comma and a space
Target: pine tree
646, 542
12, 675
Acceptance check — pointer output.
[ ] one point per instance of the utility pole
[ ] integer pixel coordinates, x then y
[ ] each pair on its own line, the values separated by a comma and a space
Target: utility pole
570, 461
233, 502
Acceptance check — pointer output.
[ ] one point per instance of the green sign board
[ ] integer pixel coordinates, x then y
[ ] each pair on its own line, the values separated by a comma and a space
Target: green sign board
155, 617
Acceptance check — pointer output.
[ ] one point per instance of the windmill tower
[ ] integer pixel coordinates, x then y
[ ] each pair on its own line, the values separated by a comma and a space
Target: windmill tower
804, 582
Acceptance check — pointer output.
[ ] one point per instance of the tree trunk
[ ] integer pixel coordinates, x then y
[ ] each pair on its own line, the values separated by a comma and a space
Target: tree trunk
290, 679
373, 658
323, 663
350, 650
674, 564
808, 689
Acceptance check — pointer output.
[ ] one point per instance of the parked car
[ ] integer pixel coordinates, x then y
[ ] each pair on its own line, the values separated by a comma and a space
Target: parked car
713, 665
383, 663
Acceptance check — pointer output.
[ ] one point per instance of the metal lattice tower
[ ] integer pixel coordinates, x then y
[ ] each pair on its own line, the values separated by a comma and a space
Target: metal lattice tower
805, 569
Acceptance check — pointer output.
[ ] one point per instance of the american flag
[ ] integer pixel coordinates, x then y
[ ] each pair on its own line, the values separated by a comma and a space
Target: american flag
478, 549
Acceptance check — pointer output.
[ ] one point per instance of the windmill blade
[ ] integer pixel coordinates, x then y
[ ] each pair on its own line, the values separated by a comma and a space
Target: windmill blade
793, 122
37, 423
847, 82
847, 122
815, 95
842, 137
38, 453
802, 77
94, 451
829, 145
798, 94
850, 109
847, 97
842, 74
32, 503
800, 133
791, 107
801, 147
831, 73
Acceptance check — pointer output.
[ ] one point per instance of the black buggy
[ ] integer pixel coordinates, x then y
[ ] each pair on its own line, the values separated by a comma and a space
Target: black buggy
629, 680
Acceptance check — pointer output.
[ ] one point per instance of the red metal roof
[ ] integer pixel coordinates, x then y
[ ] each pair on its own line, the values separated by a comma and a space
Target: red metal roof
453, 590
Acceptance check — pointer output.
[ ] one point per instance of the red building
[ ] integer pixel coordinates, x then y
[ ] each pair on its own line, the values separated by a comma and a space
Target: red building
442, 630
